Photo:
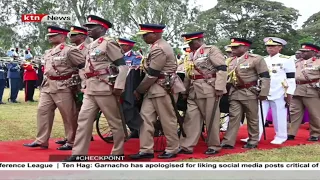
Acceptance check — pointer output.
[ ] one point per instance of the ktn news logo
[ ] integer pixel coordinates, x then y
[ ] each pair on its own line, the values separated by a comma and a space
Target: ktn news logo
46, 18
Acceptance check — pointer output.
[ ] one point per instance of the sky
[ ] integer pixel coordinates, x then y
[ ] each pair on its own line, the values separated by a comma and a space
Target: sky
306, 8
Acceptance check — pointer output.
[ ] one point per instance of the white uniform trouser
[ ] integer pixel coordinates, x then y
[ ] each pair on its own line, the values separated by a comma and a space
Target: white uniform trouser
279, 117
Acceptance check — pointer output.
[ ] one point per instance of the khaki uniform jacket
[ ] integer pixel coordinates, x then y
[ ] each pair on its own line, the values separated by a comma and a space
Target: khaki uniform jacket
205, 61
102, 53
84, 49
60, 61
160, 58
307, 70
248, 68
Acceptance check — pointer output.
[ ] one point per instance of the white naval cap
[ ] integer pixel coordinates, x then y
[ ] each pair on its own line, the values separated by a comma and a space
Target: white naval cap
274, 41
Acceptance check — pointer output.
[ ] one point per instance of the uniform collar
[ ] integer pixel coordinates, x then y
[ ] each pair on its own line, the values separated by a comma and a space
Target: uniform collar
128, 53
200, 49
275, 56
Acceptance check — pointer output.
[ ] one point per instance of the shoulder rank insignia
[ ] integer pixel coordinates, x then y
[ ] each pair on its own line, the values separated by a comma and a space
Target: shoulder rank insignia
100, 40
81, 47
284, 56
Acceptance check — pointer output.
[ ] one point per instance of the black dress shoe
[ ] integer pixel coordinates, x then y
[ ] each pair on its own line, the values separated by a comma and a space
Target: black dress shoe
250, 146
15, 101
109, 139
134, 134
183, 151
312, 138
226, 146
290, 137
142, 155
62, 142
2, 102
166, 155
65, 147
73, 158
32, 145
211, 152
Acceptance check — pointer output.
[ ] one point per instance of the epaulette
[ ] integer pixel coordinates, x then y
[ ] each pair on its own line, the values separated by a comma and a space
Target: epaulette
69, 45
107, 38
284, 56
47, 51
253, 55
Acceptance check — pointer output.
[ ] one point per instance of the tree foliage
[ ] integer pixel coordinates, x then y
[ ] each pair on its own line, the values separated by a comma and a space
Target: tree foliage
249, 19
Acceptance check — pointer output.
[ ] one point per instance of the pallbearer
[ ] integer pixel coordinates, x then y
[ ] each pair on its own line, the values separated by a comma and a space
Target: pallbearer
105, 73
78, 36
307, 93
205, 82
160, 68
245, 70
61, 63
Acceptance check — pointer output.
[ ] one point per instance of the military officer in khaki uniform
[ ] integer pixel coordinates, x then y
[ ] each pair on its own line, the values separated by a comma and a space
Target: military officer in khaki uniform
244, 72
160, 62
105, 58
205, 84
60, 64
78, 36
224, 102
307, 93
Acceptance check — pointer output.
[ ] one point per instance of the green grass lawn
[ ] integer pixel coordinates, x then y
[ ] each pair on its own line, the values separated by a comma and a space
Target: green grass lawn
18, 121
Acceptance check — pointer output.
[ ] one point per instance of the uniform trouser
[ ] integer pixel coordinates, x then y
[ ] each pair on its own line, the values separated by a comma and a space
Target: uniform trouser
46, 112
30, 85
2, 86
197, 110
279, 116
14, 88
297, 107
89, 109
236, 110
162, 107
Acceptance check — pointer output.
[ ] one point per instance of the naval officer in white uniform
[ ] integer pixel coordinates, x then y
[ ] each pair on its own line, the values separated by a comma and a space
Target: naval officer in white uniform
282, 72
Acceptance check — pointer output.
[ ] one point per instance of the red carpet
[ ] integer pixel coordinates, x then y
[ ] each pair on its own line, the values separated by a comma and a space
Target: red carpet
13, 151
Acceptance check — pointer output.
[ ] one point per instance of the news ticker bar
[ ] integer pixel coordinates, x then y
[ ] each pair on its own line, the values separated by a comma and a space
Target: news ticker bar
160, 166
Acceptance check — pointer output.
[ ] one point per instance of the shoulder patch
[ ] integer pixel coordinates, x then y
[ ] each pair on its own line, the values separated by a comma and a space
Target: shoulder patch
284, 56
229, 58
107, 38
254, 55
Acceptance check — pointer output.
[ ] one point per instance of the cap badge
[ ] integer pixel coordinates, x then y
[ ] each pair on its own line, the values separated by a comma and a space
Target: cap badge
72, 28
49, 29
304, 46
232, 40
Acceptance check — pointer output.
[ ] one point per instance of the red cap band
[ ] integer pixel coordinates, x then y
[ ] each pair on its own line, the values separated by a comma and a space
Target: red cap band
99, 22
